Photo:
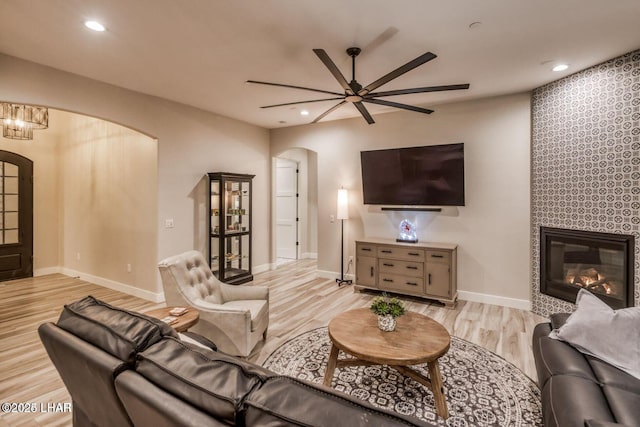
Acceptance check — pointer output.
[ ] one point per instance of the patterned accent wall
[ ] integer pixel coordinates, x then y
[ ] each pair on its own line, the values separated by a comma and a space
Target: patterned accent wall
585, 154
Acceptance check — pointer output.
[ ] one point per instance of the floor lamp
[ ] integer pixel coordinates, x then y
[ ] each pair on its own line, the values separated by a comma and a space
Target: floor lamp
342, 214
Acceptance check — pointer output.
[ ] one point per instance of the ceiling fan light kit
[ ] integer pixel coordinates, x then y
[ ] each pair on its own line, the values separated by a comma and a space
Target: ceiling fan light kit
356, 94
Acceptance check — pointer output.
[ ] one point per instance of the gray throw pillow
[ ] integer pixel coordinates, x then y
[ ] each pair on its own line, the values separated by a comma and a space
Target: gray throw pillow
598, 330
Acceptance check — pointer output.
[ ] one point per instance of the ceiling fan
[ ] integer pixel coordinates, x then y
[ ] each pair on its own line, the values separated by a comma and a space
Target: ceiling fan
355, 94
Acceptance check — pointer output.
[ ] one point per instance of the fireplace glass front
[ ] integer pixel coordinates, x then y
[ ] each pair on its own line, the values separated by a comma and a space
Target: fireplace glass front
601, 263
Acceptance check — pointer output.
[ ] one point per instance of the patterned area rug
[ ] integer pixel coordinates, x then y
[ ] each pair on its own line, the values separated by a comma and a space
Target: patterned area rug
482, 389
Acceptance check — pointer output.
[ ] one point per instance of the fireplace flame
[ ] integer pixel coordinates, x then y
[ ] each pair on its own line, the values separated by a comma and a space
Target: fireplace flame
589, 278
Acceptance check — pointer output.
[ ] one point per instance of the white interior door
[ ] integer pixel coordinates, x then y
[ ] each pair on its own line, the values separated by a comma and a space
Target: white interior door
286, 209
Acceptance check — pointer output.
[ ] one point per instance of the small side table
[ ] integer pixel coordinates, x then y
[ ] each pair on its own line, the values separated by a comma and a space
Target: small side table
183, 323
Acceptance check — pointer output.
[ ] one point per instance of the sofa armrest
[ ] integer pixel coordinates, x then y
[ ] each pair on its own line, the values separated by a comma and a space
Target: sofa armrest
236, 293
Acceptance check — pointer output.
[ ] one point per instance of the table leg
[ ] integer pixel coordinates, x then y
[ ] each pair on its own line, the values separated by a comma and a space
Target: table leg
438, 389
331, 365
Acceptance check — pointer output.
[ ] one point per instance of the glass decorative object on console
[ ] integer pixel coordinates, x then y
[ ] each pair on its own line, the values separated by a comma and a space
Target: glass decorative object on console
407, 232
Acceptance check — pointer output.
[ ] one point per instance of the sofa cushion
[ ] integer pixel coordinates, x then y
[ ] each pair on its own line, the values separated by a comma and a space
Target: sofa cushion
119, 332
212, 381
150, 406
285, 401
624, 404
600, 423
609, 375
567, 401
611, 335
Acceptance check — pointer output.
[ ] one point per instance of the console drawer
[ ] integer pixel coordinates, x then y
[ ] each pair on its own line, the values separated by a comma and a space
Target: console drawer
364, 249
443, 257
393, 252
400, 283
406, 268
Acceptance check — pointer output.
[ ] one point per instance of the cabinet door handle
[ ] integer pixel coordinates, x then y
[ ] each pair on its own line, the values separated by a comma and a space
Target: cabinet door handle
366, 249
414, 254
387, 280
437, 256
387, 264
429, 278
412, 283
371, 271
412, 267
384, 251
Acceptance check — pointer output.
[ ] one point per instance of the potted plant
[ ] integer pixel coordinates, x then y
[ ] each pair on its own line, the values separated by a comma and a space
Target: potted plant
387, 309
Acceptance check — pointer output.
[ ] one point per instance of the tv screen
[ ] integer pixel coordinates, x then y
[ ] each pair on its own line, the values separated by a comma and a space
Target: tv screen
428, 176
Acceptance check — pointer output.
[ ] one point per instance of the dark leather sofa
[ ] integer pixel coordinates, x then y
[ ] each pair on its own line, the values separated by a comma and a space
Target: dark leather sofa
580, 390
125, 369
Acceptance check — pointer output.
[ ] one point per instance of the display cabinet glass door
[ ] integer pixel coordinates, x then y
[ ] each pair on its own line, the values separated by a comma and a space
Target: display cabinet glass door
236, 225
230, 227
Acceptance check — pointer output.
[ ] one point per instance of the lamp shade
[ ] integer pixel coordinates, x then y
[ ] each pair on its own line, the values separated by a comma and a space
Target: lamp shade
343, 204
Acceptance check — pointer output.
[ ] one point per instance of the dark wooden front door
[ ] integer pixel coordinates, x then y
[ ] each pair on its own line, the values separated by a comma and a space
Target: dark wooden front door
16, 216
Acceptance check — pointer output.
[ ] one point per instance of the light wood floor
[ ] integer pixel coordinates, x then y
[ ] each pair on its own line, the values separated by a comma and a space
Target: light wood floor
299, 301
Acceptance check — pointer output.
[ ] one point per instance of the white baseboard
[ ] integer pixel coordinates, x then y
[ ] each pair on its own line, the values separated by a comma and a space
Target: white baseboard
262, 268
47, 270
309, 255
117, 286
522, 304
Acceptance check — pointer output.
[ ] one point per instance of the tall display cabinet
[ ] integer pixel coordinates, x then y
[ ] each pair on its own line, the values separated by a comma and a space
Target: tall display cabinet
230, 226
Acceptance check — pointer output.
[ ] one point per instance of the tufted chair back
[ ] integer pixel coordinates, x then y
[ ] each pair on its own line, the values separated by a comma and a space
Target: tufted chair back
187, 279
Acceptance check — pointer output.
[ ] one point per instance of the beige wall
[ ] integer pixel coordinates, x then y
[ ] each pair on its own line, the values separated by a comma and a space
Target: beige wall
109, 192
190, 143
492, 230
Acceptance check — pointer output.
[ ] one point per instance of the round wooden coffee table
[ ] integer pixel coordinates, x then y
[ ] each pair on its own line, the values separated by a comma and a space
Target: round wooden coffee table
417, 339
183, 323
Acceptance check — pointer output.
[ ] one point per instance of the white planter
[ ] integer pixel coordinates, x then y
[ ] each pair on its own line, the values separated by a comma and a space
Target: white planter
386, 323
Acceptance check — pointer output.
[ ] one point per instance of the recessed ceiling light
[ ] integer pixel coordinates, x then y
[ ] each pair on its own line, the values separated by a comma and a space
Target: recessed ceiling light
560, 67
304, 112
94, 25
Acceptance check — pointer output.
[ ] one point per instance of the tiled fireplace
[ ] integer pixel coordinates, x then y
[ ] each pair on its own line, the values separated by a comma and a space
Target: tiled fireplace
601, 263
585, 175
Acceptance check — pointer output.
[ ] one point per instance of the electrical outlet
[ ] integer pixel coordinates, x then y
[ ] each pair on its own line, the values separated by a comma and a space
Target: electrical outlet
78, 256
168, 223
128, 268
350, 259
332, 218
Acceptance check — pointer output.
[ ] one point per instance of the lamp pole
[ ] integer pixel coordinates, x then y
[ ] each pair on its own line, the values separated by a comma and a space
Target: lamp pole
342, 214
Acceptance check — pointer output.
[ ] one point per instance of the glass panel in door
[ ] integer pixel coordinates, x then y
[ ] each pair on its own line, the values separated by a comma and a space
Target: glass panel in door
9, 207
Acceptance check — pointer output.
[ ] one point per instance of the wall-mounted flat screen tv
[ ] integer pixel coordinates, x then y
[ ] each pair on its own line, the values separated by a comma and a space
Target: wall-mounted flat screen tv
417, 176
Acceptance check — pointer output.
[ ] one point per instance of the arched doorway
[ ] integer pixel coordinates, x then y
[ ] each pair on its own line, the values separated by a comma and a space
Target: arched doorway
16, 216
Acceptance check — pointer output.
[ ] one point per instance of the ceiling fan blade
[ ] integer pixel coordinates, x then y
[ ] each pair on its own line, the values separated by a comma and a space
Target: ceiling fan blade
294, 87
419, 90
397, 72
302, 102
398, 105
333, 69
364, 112
335, 107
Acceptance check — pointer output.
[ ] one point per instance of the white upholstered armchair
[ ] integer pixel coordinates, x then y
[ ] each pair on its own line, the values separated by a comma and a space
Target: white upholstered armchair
235, 318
